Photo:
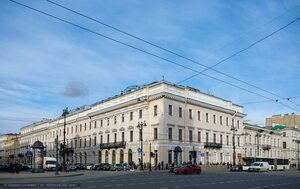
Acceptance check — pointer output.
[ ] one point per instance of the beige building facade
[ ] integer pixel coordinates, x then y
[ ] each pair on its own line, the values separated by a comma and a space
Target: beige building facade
289, 120
180, 124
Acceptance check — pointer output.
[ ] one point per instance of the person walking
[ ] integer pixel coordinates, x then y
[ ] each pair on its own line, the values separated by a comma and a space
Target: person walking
17, 167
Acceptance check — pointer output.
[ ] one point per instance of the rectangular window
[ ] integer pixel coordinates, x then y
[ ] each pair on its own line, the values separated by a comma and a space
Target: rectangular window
191, 135
180, 112
221, 120
227, 122
85, 142
227, 140
207, 137
90, 142
85, 126
131, 136
199, 136
155, 133
284, 145
75, 143
115, 137
238, 141
95, 140
131, 116
155, 110
101, 123
238, 123
107, 121
215, 138
232, 122
101, 139
140, 114
221, 139
80, 128
199, 116
190, 113
79, 143
207, 117
115, 119
214, 119
107, 139
170, 157
180, 135
95, 124
170, 133
123, 118
170, 110
123, 136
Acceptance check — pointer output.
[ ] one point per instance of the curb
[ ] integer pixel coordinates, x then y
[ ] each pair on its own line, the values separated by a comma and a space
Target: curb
50, 176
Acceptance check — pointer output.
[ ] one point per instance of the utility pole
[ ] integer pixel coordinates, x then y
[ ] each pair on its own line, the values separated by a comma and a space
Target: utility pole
56, 144
65, 113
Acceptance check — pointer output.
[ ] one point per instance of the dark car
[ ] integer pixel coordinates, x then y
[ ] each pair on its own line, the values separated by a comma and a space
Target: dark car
79, 166
188, 169
3, 167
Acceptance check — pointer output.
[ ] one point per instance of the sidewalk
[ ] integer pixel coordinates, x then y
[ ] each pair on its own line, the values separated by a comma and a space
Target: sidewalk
28, 174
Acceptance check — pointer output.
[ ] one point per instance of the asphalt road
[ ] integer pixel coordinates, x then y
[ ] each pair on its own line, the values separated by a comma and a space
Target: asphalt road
164, 180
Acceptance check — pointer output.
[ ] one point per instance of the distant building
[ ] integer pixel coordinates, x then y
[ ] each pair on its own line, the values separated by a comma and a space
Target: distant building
289, 120
9, 148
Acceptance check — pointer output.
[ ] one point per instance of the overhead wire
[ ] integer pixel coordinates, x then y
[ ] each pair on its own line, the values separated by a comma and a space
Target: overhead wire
146, 52
189, 59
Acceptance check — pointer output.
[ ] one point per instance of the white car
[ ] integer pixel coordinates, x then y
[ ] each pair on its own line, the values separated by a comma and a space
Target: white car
259, 167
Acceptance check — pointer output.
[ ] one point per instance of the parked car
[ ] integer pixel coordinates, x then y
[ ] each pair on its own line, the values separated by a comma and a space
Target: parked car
95, 166
3, 167
188, 169
259, 167
79, 166
72, 167
103, 166
89, 166
172, 168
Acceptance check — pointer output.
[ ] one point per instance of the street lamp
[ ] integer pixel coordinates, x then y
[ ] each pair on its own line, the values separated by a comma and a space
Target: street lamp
141, 125
233, 129
64, 114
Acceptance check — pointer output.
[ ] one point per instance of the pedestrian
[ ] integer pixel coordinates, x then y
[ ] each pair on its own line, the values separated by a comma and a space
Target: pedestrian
158, 165
68, 167
162, 165
17, 167
10, 168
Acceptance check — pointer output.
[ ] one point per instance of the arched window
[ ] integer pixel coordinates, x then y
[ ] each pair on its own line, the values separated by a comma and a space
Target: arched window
106, 156
113, 157
100, 157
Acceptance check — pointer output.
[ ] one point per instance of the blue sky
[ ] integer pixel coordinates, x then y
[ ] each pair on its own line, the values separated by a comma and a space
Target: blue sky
47, 65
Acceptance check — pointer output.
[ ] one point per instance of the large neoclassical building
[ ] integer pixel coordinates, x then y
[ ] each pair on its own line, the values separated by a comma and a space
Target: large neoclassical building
178, 124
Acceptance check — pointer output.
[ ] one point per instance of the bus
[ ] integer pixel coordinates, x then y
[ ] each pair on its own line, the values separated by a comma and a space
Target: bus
275, 163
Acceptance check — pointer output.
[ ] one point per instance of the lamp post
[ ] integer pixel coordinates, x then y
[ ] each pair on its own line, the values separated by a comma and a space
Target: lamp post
141, 125
233, 129
64, 114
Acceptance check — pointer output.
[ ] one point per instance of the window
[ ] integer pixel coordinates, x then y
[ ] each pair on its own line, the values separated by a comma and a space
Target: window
85, 126
131, 136
140, 114
107, 139
207, 137
227, 140
85, 142
95, 124
215, 138
75, 143
227, 122
131, 116
221, 139
232, 122
101, 139
199, 116
115, 119
123, 118
90, 142
207, 117
191, 135
199, 136
180, 112
170, 156
221, 120
155, 110
101, 123
214, 119
79, 143
284, 145
107, 121
180, 135
238, 141
238, 123
123, 136
170, 133
190, 113
80, 128
284, 134
95, 140
170, 110
155, 133
115, 137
